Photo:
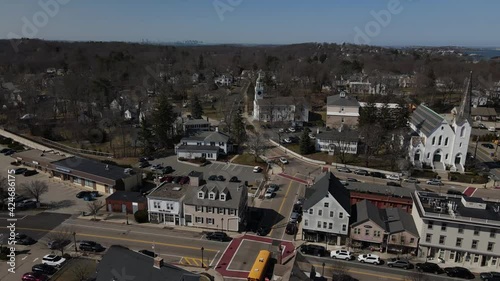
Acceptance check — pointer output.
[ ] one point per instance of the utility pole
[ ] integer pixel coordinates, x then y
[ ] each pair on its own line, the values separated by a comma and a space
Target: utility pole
475, 150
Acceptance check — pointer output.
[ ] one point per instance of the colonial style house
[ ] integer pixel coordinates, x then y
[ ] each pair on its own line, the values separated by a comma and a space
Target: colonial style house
278, 109
204, 144
165, 203
224, 80
337, 141
194, 125
459, 230
219, 206
390, 229
341, 110
441, 143
326, 211
483, 114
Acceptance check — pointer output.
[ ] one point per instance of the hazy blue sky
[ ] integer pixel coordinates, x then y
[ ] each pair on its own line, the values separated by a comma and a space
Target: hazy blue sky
418, 22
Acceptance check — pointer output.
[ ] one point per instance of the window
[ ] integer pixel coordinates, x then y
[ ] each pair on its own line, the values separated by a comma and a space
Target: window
306, 222
430, 224
89, 183
198, 219
490, 246
324, 224
494, 261
376, 233
357, 230
342, 108
442, 238
210, 210
393, 238
476, 231
77, 180
211, 196
462, 132
428, 155
476, 258
320, 212
439, 140
428, 238
367, 232
412, 240
212, 143
330, 226
474, 244
460, 228
201, 195
452, 255
341, 215
402, 239
433, 140
223, 197
319, 224
459, 242
232, 212
460, 145
446, 141
344, 227
210, 220
331, 214
326, 205
311, 211
492, 233
342, 120
443, 226
446, 156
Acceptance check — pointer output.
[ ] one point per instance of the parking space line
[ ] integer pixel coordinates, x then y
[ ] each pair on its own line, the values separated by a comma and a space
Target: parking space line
234, 167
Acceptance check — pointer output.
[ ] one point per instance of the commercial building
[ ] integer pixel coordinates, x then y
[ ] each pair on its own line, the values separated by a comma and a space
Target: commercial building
126, 202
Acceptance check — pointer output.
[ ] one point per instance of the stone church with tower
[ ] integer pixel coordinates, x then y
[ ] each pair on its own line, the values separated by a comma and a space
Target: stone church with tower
277, 109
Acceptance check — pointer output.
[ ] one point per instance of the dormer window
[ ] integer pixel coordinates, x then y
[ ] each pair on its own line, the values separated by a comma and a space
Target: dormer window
223, 197
211, 195
201, 195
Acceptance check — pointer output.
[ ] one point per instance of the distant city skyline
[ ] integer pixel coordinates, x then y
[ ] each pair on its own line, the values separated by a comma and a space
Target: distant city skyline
374, 22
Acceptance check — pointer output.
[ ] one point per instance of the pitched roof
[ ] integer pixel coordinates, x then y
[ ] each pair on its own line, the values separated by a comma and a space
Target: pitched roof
338, 100
426, 119
200, 148
464, 111
196, 122
483, 111
207, 136
236, 192
328, 184
398, 220
120, 262
367, 211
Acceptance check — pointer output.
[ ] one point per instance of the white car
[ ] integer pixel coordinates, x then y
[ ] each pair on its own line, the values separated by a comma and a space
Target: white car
283, 160
269, 193
257, 169
393, 177
53, 260
291, 130
492, 129
341, 254
369, 258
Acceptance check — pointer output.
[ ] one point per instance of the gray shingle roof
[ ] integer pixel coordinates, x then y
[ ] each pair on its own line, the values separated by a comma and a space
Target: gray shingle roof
426, 119
367, 211
398, 220
235, 193
334, 135
120, 262
328, 183
340, 101
483, 111
208, 136
196, 122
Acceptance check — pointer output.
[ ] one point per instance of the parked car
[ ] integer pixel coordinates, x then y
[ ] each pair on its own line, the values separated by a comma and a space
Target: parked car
361, 172
429, 267
377, 175
91, 246
44, 269
212, 178
34, 276
5, 150
234, 179
24, 240
167, 170
343, 169
221, 178
10, 152
53, 260
291, 228
352, 180
283, 160
157, 167
217, 236
434, 182
488, 145
263, 231
184, 180
148, 253
294, 217
454, 192
281, 130
490, 276
20, 171
82, 194
411, 180
482, 126
393, 177
176, 179
26, 204
341, 254
460, 272
30, 173
58, 244
314, 250
297, 208
369, 258
392, 183
401, 263
269, 193
257, 169
344, 183
144, 164
312, 136
492, 129
291, 130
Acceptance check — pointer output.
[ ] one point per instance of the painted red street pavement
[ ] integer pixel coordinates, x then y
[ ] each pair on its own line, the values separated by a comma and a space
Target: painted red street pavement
469, 191
223, 265
293, 178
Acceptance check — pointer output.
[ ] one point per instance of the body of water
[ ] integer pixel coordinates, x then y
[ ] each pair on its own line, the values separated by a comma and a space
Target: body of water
484, 53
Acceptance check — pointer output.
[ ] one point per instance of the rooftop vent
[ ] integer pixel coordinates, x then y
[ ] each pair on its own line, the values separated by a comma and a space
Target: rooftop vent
177, 188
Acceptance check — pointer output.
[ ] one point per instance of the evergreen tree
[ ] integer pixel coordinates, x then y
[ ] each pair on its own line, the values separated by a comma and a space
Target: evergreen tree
163, 119
146, 136
201, 63
239, 133
196, 108
305, 144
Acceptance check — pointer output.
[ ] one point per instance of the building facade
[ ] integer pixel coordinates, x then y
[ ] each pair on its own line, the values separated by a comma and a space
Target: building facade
326, 211
341, 110
382, 196
165, 204
458, 230
341, 141
126, 202
204, 144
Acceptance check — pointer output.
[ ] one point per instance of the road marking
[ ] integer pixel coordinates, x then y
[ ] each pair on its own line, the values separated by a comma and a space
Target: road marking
35, 260
217, 264
362, 273
25, 258
234, 167
119, 238
214, 258
281, 206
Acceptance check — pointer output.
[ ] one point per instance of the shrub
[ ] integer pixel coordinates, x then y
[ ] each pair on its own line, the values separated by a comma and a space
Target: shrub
5, 141
250, 127
141, 216
182, 159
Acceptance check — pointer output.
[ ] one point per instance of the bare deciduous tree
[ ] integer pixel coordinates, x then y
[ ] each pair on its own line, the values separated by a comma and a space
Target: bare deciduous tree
94, 207
36, 189
60, 238
81, 271
256, 145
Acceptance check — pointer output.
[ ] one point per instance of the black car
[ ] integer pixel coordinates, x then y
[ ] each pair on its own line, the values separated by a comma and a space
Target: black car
27, 204
144, 164
5, 150
488, 145
167, 170
91, 246
212, 178
20, 171
177, 179
26, 241
460, 272
83, 194
401, 263
314, 250
143, 159
297, 208
490, 276
30, 173
9, 152
352, 180
148, 253
44, 269
429, 267
234, 179
217, 236
454, 192
221, 178
291, 228
263, 231
392, 183
377, 175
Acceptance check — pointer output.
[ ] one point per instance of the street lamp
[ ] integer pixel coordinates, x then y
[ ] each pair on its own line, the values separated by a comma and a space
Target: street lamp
202, 265
222, 224
74, 241
323, 270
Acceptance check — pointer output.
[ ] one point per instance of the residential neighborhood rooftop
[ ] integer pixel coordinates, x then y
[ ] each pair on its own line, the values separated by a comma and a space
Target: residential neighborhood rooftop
235, 192
372, 188
207, 136
206, 148
339, 100
326, 184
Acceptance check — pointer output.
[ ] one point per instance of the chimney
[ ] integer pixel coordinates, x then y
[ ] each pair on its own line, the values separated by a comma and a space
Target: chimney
158, 262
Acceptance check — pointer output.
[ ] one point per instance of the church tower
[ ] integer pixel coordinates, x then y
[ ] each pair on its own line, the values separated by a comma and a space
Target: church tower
259, 88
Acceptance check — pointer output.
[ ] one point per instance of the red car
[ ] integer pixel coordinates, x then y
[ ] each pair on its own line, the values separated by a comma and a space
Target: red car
184, 180
35, 276
167, 179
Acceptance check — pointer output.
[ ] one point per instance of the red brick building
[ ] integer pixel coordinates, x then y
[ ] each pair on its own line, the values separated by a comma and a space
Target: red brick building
381, 196
120, 201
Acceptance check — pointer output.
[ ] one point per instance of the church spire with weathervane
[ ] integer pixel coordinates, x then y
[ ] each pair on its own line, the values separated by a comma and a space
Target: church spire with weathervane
464, 112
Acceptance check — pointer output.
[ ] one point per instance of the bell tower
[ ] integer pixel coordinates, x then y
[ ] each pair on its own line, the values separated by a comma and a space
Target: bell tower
259, 88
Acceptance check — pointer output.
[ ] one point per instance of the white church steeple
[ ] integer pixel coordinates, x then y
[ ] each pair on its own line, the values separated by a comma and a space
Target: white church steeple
259, 87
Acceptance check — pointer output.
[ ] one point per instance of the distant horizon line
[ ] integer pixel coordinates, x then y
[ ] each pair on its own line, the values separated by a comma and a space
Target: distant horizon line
201, 43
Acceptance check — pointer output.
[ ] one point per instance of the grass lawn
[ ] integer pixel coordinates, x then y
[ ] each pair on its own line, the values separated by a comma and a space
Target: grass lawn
75, 269
248, 159
212, 113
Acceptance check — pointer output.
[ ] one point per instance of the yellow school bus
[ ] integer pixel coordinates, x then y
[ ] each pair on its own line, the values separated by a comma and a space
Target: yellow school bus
259, 267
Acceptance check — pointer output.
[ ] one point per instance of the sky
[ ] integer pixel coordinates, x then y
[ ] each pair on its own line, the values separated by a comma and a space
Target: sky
374, 22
